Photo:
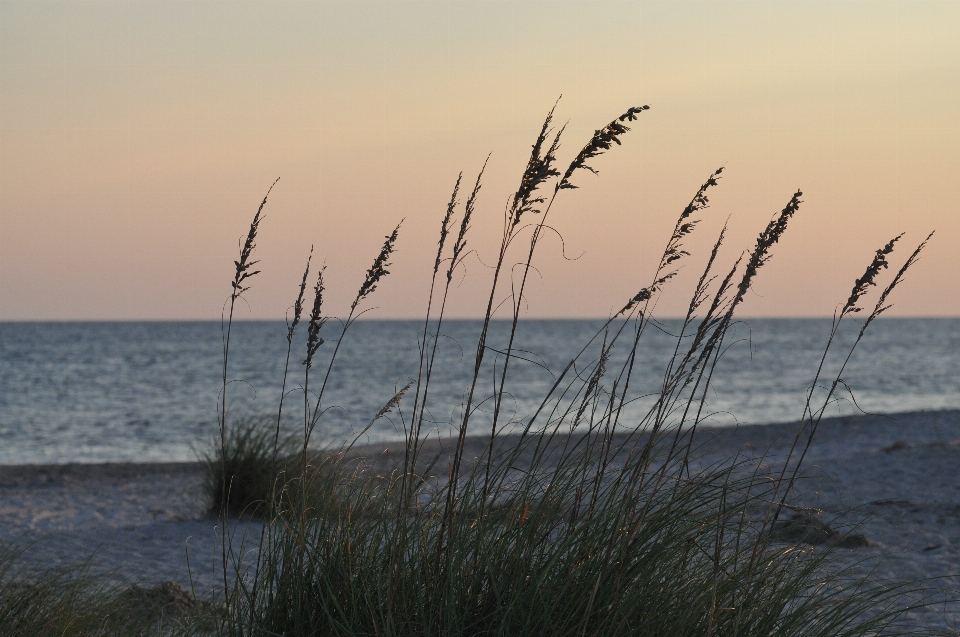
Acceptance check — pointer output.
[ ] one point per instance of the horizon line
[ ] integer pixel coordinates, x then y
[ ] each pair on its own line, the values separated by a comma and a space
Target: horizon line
446, 319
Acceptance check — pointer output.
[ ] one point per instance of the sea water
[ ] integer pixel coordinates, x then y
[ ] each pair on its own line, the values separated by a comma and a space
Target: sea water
150, 391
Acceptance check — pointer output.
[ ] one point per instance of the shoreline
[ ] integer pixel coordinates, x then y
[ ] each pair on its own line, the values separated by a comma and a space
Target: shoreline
856, 433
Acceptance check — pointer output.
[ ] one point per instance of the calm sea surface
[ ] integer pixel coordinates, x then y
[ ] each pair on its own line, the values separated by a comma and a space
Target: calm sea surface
137, 391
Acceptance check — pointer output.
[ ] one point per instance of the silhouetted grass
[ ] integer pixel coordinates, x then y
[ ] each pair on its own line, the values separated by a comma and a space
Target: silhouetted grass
587, 522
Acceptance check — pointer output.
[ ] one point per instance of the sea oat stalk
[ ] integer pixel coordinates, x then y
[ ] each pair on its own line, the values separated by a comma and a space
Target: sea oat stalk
241, 274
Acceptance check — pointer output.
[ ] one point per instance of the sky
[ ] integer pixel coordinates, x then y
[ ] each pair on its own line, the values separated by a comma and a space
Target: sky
137, 140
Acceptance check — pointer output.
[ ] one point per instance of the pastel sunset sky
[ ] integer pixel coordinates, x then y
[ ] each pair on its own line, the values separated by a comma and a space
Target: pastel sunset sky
138, 138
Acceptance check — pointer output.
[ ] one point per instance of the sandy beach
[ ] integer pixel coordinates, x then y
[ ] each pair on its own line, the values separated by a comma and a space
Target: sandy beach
894, 478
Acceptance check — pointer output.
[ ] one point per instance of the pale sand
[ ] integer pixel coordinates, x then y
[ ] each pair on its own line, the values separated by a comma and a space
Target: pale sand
896, 476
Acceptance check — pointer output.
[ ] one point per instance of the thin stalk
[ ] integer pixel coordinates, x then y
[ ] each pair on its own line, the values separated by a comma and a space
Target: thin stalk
241, 274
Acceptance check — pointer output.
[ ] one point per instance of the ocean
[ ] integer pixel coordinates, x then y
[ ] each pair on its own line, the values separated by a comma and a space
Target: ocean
149, 391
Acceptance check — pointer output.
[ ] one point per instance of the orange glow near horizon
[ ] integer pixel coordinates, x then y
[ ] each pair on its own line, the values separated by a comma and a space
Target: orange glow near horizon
137, 140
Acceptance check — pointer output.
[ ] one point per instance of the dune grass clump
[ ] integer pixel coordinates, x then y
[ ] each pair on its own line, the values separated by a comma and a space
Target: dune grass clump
78, 602
255, 463
52, 603
580, 518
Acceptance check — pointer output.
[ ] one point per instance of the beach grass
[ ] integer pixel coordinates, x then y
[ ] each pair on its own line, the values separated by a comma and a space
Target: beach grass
573, 520
255, 461
78, 601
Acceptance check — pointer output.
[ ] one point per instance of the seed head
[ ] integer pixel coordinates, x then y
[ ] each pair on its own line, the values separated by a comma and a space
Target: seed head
685, 224
869, 277
761, 251
539, 169
447, 220
316, 320
461, 242
645, 294
246, 251
601, 142
379, 268
393, 402
298, 305
881, 306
